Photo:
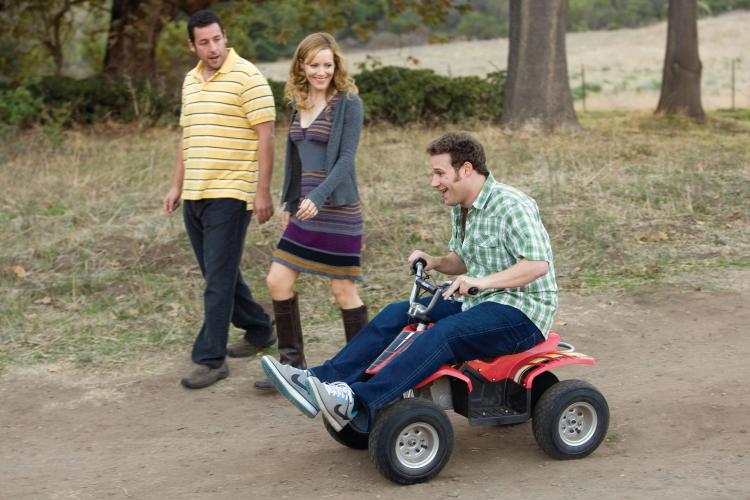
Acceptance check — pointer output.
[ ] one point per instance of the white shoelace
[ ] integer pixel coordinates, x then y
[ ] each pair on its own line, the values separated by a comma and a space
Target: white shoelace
339, 390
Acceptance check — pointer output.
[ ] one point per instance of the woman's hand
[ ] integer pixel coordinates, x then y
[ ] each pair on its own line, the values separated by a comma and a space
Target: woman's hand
307, 210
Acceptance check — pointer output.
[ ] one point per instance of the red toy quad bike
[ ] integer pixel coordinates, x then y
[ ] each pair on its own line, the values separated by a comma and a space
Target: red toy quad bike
412, 439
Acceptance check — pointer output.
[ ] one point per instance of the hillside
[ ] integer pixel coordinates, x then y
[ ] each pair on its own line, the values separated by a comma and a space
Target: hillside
626, 64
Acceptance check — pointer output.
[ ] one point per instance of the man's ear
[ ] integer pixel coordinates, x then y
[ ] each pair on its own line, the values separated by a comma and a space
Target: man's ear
469, 170
191, 46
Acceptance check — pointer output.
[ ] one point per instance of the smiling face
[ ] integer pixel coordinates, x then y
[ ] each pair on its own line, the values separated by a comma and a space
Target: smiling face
210, 46
319, 70
451, 183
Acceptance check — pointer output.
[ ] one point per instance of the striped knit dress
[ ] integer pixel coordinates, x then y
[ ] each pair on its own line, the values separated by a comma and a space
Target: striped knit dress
329, 244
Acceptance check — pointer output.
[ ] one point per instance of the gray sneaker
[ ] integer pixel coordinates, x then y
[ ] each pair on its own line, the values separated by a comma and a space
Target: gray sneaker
335, 400
291, 382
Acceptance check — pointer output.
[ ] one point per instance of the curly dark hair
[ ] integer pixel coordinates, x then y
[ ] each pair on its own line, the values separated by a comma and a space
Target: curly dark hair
462, 147
201, 19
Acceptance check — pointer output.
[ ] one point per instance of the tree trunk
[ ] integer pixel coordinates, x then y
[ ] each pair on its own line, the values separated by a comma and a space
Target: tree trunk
134, 32
55, 42
537, 92
681, 82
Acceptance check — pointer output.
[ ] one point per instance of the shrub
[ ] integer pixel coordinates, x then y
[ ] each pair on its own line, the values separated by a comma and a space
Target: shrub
402, 95
282, 107
390, 94
97, 99
18, 107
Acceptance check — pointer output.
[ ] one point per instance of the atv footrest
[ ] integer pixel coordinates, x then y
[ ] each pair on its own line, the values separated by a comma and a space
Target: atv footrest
495, 415
490, 403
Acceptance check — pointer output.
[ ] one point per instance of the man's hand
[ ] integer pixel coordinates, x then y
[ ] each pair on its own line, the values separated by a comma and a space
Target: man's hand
307, 210
171, 200
461, 286
431, 261
263, 206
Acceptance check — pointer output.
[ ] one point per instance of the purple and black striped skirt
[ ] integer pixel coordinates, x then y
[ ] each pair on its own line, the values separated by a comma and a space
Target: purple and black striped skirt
330, 244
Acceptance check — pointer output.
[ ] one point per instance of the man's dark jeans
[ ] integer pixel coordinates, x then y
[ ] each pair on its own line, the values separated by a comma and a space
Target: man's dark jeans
217, 228
486, 330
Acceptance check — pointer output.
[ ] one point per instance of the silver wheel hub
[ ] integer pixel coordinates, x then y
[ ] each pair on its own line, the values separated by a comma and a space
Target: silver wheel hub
578, 423
417, 445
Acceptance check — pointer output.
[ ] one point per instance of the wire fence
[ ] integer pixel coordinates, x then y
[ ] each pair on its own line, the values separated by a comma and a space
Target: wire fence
723, 86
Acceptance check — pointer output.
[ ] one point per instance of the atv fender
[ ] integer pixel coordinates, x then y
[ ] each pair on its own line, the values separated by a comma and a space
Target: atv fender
445, 371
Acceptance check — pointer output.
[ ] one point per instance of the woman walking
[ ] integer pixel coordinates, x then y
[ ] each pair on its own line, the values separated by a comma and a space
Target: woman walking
322, 215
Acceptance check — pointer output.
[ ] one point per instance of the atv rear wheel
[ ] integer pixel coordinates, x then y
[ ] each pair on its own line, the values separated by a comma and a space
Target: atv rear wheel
570, 419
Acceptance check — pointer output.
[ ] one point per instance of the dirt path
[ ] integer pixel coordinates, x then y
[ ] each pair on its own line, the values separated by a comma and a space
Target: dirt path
672, 363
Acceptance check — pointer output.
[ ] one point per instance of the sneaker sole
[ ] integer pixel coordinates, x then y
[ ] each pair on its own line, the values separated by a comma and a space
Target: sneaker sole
287, 390
328, 416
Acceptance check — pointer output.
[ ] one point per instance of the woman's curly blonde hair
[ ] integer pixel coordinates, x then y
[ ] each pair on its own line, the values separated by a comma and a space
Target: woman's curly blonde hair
297, 88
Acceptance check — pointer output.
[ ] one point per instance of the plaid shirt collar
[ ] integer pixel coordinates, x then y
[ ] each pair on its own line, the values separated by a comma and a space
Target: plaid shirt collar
484, 195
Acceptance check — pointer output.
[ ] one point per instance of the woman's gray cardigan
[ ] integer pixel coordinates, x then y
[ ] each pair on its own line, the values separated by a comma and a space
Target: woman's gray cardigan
340, 184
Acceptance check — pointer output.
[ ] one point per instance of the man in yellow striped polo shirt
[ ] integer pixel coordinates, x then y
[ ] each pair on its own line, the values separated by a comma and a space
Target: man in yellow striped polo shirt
223, 172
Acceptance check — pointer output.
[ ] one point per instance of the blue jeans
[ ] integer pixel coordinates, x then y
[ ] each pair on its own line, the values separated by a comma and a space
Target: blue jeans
217, 228
484, 331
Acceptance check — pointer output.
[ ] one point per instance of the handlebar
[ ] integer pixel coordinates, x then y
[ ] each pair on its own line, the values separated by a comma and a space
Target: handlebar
417, 267
417, 310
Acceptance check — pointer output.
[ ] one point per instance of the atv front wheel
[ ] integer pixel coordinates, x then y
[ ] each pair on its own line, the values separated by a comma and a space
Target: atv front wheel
411, 441
348, 436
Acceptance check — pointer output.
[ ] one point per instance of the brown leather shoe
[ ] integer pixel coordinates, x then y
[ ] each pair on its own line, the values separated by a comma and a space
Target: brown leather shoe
203, 376
264, 384
243, 349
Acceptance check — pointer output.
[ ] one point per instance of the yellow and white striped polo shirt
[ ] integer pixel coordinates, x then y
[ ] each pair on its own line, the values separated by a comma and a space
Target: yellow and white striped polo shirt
217, 119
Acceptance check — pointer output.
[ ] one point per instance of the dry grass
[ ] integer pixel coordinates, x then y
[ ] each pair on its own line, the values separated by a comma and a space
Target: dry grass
91, 271
626, 63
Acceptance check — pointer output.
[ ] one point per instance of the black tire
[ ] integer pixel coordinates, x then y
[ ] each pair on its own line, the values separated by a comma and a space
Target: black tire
348, 436
411, 441
542, 382
570, 420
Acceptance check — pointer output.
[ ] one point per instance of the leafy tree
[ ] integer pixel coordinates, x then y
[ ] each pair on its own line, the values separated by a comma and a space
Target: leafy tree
136, 25
487, 19
587, 15
34, 35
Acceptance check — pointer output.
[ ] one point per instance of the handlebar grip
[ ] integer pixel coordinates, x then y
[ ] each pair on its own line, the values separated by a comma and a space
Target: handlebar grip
473, 290
416, 263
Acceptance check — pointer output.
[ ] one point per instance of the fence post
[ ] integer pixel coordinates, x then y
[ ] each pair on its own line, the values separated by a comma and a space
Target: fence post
583, 85
733, 84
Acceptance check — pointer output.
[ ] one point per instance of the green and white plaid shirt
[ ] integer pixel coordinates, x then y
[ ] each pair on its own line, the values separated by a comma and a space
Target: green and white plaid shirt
503, 226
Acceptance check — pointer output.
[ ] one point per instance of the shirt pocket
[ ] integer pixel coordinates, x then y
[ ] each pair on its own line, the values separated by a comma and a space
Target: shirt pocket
484, 250
487, 240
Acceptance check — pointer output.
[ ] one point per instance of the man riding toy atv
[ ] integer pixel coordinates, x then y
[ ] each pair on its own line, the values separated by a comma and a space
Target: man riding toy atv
487, 355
